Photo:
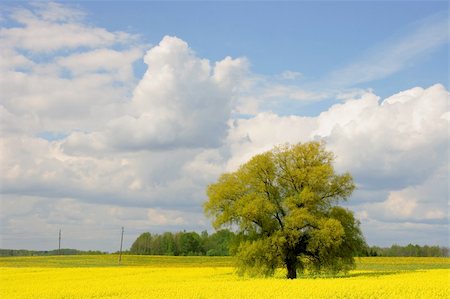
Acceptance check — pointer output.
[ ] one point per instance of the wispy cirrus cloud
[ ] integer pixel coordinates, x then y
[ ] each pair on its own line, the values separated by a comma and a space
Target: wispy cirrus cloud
393, 55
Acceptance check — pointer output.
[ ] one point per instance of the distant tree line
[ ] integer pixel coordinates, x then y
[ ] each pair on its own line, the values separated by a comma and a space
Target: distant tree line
224, 242
220, 243
184, 243
65, 251
409, 250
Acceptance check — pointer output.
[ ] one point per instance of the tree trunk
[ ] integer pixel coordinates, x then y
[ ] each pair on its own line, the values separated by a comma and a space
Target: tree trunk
291, 271
291, 265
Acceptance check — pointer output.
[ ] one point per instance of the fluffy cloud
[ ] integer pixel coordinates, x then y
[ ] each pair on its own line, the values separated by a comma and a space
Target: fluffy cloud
59, 74
181, 101
421, 203
392, 144
252, 136
118, 63
37, 167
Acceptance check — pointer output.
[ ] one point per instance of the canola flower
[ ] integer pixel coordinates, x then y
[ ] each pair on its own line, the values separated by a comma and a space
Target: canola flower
215, 282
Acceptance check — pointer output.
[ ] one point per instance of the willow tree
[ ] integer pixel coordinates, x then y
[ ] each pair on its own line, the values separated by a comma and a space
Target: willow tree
284, 204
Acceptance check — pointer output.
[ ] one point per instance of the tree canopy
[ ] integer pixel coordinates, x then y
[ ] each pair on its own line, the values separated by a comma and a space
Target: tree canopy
284, 204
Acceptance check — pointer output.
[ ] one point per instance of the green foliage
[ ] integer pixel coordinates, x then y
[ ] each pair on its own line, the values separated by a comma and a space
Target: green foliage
142, 244
184, 243
190, 244
218, 244
408, 250
63, 251
284, 204
257, 257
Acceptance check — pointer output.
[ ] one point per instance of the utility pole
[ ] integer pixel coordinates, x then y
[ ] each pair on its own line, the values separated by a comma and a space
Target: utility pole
59, 243
121, 242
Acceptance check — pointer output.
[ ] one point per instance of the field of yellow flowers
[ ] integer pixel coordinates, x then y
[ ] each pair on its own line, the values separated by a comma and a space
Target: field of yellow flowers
203, 277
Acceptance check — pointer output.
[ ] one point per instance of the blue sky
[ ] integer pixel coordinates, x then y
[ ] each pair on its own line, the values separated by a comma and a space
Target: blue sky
313, 38
121, 113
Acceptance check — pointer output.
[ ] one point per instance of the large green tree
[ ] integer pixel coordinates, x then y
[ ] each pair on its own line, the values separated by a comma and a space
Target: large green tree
284, 204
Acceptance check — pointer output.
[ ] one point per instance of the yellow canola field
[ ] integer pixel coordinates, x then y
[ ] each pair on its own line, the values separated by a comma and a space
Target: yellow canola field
212, 282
